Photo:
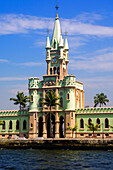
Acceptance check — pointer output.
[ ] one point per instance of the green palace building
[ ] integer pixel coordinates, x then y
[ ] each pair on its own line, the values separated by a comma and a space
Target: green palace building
35, 122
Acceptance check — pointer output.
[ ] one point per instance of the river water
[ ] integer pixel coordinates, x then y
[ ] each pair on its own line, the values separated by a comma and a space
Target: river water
55, 159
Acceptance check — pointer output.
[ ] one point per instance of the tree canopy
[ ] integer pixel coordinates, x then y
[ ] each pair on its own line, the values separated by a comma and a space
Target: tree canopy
100, 99
21, 99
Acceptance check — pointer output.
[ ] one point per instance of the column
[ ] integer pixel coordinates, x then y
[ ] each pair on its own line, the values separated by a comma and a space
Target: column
48, 68
79, 99
44, 126
56, 125
61, 68
83, 99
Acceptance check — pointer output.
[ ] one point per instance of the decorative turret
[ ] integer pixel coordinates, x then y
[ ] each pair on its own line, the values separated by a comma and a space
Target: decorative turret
48, 42
66, 47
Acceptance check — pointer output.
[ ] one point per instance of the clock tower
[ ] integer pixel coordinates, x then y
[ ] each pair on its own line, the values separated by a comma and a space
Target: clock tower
57, 52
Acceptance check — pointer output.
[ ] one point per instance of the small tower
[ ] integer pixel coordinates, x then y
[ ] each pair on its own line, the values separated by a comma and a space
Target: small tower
48, 53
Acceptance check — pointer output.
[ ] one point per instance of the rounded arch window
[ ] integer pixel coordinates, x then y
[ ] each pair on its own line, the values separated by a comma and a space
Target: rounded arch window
10, 124
50, 70
98, 122
89, 121
106, 123
24, 125
17, 125
81, 123
3, 126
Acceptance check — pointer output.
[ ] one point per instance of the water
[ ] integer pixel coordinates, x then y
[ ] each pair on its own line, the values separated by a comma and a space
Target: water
55, 159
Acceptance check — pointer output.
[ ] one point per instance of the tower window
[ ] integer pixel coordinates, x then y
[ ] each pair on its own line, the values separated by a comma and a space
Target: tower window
17, 125
54, 70
68, 96
31, 98
50, 70
61, 102
40, 102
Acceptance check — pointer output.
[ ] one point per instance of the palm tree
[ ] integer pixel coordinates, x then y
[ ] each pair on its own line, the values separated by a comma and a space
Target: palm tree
93, 127
100, 99
21, 100
50, 100
73, 129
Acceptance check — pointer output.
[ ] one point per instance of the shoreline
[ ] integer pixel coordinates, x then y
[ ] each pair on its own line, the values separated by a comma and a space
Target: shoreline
56, 144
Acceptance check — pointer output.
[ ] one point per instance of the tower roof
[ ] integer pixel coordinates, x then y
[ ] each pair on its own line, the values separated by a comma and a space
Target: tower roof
56, 32
66, 46
48, 42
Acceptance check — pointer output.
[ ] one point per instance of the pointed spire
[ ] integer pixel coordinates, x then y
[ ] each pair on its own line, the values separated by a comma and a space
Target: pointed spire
48, 42
66, 47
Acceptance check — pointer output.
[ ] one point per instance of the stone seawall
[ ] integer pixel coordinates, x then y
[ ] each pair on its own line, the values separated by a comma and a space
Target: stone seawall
76, 144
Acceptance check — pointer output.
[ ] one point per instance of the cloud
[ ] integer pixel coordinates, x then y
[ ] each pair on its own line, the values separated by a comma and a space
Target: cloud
98, 82
13, 24
12, 78
31, 64
3, 60
102, 62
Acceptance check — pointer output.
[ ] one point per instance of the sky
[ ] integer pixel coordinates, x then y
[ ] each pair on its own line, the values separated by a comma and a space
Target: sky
23, 31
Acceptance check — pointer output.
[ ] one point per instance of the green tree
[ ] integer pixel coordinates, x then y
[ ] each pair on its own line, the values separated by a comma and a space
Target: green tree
100, 99
73, 129
50, 100
93, 127
21, 100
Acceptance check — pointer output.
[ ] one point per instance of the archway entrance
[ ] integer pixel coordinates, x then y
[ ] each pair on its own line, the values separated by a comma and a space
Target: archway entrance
40, 134
52, 126
61, 128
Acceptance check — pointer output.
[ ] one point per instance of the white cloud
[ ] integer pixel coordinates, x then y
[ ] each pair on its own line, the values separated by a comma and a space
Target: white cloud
12, 78
102, 62
3, 60
31, 64
13, 24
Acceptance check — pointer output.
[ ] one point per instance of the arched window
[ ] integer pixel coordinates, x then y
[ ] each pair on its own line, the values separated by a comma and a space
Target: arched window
54, 70
24, 125
106, 123
58, 70
61, 102
40, 102
81, 123
67, 96
31, 98
17, 125
3, 126
98, 122
50, 70
89, 121
10, 124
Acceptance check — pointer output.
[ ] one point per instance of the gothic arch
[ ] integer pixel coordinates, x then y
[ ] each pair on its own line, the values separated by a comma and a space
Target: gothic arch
40, 127
61, 127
